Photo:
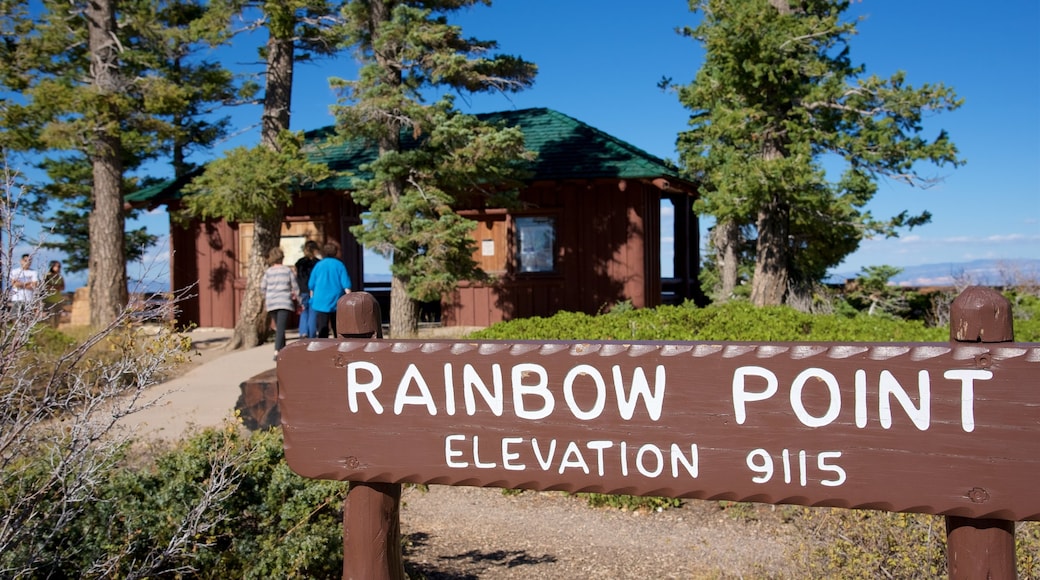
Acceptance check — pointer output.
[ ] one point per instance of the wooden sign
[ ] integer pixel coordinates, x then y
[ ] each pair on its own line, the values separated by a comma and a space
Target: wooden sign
933, 428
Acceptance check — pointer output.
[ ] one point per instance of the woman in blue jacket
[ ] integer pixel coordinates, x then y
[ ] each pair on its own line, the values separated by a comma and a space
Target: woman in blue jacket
328, 281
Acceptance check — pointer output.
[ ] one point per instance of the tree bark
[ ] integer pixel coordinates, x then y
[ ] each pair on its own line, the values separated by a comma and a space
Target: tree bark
772, 252
404, 312
107, 283
251, 327
726, 238
769, 285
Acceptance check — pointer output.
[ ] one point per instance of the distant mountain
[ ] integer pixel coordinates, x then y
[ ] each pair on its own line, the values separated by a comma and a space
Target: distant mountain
979, 272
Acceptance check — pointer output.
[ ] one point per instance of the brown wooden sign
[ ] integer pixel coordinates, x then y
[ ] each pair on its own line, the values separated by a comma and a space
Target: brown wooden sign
934, 428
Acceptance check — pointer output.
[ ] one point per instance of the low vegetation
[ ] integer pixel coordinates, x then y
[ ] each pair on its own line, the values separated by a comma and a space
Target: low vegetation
79, 501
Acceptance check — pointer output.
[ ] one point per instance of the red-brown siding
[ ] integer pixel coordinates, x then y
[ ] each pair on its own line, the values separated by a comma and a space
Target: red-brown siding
608, 252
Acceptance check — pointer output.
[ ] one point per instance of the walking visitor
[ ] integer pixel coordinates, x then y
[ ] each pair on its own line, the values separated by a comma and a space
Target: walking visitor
278, 285
304, 265
329, 280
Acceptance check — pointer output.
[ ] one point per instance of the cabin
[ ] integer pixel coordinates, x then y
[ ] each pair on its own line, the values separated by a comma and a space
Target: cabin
587, 235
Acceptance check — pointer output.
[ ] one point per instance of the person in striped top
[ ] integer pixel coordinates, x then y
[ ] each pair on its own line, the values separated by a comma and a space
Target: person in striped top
280, 290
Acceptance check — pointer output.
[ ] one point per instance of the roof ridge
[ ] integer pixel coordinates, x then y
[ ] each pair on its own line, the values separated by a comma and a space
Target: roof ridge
616, 140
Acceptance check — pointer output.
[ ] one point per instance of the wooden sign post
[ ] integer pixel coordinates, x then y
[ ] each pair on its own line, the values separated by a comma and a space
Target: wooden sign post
940, 428
980, 548
371, 510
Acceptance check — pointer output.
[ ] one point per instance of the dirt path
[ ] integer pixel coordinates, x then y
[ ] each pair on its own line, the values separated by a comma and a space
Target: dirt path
462, 533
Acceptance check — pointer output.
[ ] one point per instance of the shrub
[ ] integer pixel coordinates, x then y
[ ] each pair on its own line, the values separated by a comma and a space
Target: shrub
59, 403
732, 321
630, 503
267, 523
870, 544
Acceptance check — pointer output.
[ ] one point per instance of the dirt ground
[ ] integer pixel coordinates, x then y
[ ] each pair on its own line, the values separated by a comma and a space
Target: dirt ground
464, 533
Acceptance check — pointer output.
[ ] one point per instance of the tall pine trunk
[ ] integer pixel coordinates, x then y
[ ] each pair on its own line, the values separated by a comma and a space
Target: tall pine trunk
107, 283
773, 250
404, 312
252, 327
726, 238
769, 285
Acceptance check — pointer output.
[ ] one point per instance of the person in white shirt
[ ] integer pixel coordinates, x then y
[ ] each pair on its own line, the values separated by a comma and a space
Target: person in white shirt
24, 282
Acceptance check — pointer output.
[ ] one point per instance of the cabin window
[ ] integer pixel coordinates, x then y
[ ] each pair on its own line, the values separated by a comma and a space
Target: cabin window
535, 244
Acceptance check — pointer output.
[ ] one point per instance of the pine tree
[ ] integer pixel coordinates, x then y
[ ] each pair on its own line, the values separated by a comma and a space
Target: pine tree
93, 90
431, 157
297, 30
777, 92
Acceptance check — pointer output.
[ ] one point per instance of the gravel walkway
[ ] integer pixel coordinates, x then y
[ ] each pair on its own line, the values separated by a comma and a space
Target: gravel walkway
463, 533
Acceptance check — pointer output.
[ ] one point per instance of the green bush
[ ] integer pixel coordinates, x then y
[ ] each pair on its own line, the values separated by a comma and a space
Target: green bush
630, 503
271, 523
732, 321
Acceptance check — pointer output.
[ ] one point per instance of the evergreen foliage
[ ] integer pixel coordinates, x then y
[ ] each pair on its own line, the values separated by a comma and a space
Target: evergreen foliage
777, 96
247, 182
406, 49
103, 87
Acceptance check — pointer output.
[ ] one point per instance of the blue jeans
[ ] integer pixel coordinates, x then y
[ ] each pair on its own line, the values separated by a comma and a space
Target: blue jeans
308, 324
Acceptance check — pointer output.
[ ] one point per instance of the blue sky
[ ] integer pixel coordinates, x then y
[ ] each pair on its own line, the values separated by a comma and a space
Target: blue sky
600, 60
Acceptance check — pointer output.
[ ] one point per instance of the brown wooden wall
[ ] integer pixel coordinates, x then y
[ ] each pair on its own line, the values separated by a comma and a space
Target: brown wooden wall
207, 254
608, 251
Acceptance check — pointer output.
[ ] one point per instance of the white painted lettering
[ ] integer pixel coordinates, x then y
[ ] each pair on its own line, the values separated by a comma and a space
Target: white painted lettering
889, 387
649, 449
476, 456
861, 398
544, 461
355, 386
471, 381
539, 388
508, 456
967, 378
761, 463
692, 466
601, 392
832, 389
450, 453
740, 394
449, 390
599, 447
624, 458
572, 458
640, 389
599, 457
412, 375
822, 465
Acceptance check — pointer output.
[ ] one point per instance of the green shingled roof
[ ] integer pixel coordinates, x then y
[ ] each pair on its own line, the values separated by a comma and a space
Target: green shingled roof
570, 149
566, 147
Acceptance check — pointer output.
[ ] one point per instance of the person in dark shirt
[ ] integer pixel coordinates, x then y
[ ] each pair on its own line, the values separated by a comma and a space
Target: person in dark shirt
311, 255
